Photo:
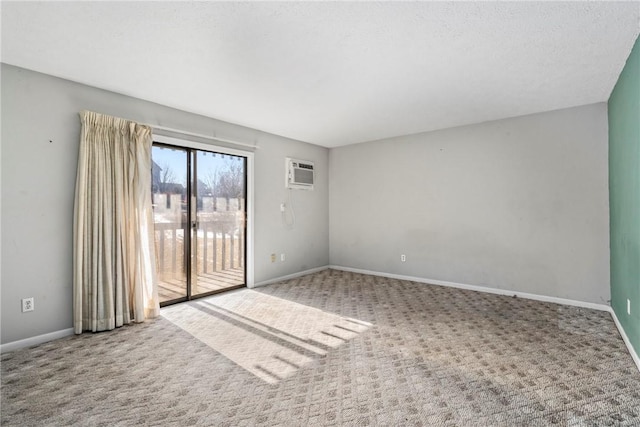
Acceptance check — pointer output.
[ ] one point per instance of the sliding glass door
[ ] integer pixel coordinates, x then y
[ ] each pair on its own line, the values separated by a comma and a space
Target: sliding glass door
170, 216
199, 202
219, 240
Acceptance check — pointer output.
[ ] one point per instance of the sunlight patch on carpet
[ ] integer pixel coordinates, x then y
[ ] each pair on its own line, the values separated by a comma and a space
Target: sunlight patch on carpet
268, 336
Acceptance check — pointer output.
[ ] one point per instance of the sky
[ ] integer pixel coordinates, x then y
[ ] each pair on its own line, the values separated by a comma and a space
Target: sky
176, 160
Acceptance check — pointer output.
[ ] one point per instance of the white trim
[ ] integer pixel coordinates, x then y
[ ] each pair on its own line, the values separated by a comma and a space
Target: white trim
200, 135
290, 276
39, 339
28, 342
564, 301
251, 219
201, 145
625, 338
250, 188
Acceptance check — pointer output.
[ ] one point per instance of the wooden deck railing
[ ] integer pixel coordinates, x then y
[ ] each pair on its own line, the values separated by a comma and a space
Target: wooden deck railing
219, 247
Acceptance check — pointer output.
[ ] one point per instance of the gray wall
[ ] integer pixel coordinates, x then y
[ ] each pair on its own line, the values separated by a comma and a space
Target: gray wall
40, 137
517, 204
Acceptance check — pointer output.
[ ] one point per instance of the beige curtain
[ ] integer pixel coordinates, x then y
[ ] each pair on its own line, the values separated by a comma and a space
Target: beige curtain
114, 260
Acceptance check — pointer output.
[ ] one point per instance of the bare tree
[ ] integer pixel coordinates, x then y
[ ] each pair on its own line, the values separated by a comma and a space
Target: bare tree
167, 178
211, 180
231, 179
226, 181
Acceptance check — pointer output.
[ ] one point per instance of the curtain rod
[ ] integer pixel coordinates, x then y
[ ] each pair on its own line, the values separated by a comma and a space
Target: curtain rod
200, 135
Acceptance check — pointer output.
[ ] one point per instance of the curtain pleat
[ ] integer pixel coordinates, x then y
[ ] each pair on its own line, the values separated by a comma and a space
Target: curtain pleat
114, 260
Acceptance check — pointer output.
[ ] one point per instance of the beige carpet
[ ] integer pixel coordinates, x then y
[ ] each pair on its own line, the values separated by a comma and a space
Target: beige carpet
334, 348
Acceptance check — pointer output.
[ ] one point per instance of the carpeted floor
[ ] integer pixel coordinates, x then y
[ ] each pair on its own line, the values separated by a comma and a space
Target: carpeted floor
334, 348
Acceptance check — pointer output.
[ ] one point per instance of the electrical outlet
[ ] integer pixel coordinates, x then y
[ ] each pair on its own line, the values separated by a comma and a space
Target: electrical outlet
403, 257
27, 304
282, 257
628, 306
273, 257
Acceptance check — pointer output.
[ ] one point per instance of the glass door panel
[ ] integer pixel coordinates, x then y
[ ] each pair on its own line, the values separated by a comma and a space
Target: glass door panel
199, 211
169, 185
219, 241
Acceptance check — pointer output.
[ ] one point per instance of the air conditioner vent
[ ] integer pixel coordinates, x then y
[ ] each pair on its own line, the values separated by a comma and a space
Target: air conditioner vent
299, 174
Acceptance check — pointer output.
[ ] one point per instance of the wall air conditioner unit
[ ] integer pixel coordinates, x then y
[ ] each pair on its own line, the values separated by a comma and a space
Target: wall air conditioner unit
299, 174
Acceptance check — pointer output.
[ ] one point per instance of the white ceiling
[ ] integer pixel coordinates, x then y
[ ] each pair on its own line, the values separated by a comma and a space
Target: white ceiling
333, 73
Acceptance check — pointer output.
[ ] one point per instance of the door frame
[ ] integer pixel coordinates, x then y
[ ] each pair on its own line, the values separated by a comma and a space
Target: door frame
249, 247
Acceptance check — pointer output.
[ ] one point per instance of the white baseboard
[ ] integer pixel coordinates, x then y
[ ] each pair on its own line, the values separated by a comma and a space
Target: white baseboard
290, 276
625, 338
15, 345
564, 301
28, 342
544, 298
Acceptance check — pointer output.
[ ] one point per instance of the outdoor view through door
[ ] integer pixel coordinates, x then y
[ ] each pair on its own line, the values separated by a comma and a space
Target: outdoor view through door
199, 212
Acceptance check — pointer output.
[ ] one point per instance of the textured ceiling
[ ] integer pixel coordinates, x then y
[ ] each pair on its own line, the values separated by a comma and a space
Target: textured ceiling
333, 73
